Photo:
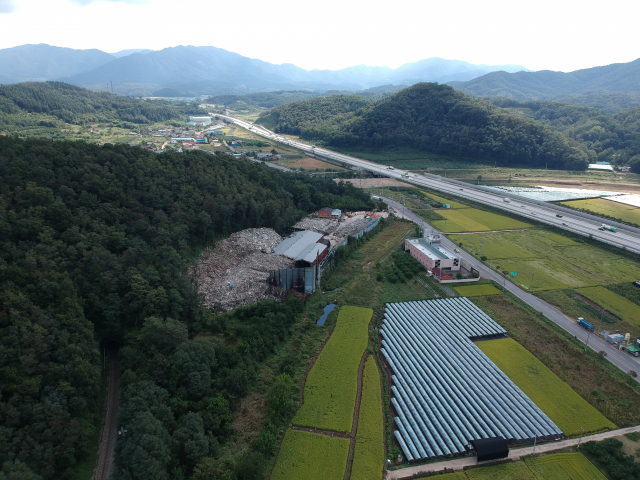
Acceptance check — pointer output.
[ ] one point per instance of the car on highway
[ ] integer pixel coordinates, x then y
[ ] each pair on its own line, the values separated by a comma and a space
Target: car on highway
558, 215
565, 224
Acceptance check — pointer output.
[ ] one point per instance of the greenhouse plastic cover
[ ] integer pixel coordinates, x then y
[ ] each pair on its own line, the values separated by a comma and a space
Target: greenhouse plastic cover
445, 391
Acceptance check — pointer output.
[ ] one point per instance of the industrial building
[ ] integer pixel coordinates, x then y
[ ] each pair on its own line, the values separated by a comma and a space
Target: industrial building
325, 212
432, 255
446, 393
303, 247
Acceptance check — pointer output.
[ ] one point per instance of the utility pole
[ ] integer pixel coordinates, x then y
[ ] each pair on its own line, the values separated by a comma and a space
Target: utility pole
481, 243
531, 285
580, 436
535, 437
601, 316
445, 225
587, 344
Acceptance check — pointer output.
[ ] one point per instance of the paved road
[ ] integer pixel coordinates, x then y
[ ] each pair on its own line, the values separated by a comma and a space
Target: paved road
587, 225
515, 454
620, 359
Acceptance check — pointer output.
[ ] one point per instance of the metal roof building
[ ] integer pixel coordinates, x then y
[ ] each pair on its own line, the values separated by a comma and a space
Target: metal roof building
446, 391
298, 243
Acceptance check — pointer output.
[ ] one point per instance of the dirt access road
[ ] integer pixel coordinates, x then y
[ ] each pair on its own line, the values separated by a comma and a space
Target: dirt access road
107, 448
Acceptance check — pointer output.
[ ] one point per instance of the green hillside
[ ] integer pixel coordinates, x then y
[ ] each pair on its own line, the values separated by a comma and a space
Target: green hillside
433, 118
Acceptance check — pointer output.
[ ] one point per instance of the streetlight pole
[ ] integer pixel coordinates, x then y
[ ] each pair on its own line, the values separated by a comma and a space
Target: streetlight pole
601, 316
531, 284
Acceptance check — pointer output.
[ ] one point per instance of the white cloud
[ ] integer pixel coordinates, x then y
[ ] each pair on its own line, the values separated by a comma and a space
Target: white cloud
7, 6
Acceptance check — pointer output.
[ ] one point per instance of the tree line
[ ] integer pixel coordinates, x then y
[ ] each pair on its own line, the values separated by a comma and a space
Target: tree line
431, 117
96, 242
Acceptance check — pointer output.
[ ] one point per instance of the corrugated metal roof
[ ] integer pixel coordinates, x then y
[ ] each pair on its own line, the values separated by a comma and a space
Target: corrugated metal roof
295, 244
312, 252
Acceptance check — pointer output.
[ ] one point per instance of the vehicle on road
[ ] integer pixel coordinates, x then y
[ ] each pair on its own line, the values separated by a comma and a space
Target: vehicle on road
586, 325
564, 224
558, 215
608, 227
390, 168
506, 200
637, 283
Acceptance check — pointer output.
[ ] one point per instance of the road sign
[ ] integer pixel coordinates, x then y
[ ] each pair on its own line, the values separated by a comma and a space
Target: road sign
513, 274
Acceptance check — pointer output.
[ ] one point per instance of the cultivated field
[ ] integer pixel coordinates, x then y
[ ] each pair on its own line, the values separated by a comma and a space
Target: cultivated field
311, 456
368, 457
443, 201
562, 405
558, 261
563, 466
613, 302
507, 471
626, 213
473, 220
331, 385
477, 290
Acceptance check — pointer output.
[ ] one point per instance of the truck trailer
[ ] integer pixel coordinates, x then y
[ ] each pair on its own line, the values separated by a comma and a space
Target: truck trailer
584, 324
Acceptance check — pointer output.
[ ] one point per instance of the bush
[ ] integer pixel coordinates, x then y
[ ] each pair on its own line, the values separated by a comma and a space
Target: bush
483, 258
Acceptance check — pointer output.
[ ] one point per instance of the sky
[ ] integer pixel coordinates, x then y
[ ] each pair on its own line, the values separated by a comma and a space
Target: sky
563, 35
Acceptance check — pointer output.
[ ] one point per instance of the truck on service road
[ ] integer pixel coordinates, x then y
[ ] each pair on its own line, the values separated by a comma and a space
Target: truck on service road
584, 324
608, 227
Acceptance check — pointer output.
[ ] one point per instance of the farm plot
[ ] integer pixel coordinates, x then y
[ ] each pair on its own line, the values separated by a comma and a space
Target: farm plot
507, 471
568, 410
626, 213
331, 385
563, 466
613, 302
559, 262
477, 290
368, 456
311, 456
473, 220
443, 201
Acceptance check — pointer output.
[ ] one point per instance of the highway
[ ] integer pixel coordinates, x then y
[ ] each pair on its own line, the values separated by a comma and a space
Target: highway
620, 359
577, 222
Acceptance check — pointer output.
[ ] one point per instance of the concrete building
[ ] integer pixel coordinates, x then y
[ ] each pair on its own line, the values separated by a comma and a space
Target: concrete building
432, 255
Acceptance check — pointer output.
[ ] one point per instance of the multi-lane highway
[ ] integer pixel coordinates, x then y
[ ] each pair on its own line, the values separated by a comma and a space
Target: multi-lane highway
587, 225
620, 359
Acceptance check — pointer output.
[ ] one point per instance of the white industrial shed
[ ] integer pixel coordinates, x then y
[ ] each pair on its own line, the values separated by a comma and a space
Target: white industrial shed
301, 245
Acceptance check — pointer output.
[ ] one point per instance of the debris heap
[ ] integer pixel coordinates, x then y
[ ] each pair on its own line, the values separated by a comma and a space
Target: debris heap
235, 272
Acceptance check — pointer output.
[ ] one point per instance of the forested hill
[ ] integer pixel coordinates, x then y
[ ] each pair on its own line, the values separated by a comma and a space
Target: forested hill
613, 138
77, 105
435, 118
93, 243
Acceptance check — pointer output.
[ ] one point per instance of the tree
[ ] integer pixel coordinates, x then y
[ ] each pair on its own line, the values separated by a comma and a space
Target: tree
190, 439
162, 335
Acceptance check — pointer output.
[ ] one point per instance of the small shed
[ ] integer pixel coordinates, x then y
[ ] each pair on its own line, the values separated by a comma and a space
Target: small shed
487, 449
325, 212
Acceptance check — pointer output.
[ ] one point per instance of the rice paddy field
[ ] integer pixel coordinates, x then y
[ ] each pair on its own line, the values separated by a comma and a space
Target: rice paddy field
506, 471
613, 302
626, 213
443, 201
563, 466
568, 410
368, 457
559, 262
332, 383
311, 456
474, 220
477, 290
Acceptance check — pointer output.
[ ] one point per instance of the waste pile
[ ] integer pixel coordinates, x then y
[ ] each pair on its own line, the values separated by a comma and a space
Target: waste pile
235, 272
315, 224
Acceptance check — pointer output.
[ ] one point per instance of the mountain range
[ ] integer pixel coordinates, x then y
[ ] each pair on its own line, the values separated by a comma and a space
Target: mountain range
189, 70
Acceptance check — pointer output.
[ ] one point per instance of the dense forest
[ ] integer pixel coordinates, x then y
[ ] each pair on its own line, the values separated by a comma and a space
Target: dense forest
431, 117
613, 138
71, 104
94, 243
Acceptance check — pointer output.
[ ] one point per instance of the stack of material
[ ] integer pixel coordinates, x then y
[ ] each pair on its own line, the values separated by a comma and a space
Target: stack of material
235, 272
320, 225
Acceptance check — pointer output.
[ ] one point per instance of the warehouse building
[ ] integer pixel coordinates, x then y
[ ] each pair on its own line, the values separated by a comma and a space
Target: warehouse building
432, 255
303, 247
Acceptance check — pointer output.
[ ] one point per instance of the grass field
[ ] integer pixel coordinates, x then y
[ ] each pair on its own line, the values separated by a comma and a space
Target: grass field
474, 220
477, 290
331, 385
368, 457
626, 213
443, 200
613, 302
558, 261
506, 471
311, 456
562, 405
563, 466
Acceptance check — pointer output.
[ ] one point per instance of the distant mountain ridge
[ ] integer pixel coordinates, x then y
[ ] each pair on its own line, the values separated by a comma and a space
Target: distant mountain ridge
577, 86
192, 71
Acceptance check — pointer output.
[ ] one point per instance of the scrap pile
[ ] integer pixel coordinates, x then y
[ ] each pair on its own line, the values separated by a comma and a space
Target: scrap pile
320, 225
235, 272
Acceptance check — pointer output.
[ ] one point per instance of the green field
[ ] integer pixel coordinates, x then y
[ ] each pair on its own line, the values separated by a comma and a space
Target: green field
613, 302
368, 457
311, 456
626, 213
558, 261
506, 471
331, 385
474, 220
443, 201
563, 466
477, 290
568, 410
